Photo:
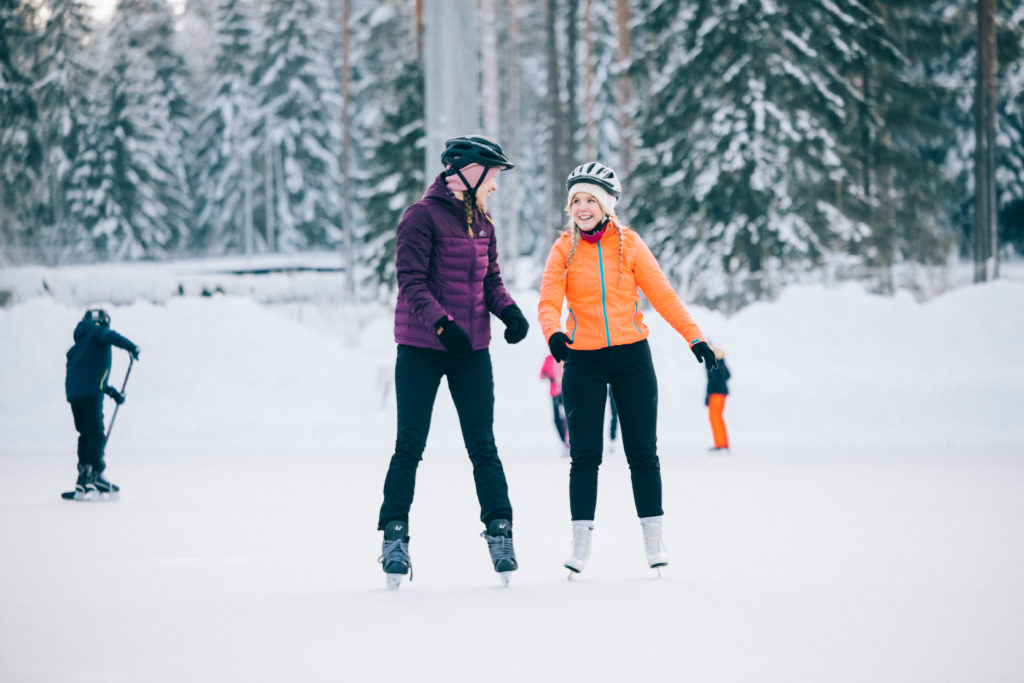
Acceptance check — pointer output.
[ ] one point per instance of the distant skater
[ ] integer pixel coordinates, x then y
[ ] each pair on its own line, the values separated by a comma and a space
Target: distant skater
85, 383
613, 422
718, 389
551, 370
599, 267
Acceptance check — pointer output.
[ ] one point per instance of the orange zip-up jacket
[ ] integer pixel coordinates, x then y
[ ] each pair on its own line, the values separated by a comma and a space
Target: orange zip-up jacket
604, 311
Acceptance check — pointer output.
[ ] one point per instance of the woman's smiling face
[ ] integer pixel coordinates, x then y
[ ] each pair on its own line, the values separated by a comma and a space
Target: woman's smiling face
586, 211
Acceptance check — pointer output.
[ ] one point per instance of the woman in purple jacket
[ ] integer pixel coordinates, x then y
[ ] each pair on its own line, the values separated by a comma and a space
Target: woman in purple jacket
449, 284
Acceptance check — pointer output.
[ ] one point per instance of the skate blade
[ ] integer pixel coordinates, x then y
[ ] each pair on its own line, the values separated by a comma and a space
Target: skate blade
394, 581
505, 578
93, 496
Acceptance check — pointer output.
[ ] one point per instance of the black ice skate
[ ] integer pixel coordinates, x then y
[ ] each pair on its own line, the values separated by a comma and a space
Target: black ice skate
394, 556
499, 544
92, 487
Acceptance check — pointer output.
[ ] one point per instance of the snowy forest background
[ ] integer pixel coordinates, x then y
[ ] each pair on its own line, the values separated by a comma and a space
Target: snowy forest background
762, 142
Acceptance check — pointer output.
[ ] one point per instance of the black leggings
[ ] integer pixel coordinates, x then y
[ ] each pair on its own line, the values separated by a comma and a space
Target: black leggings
418, 374
629, 371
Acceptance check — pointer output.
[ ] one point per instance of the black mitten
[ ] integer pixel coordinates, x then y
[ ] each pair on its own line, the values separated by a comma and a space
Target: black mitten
114, 394
452, 336
704, 355
516, 325
559, 345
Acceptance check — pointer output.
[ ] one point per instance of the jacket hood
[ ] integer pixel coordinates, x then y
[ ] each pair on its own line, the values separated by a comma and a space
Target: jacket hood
83, 328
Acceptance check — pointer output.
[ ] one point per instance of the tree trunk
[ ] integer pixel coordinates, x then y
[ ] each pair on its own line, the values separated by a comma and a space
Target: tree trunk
625, 88
589, 125
986, 253
511, 120
268, 193
556, 119
348, 224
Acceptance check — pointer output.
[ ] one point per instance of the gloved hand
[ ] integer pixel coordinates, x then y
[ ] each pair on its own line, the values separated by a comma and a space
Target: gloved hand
134, 352
707, 400
452, 336
114, 394
704, 355
516, 325
559, 345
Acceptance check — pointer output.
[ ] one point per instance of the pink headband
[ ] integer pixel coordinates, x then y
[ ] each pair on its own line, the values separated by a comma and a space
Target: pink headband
472, 172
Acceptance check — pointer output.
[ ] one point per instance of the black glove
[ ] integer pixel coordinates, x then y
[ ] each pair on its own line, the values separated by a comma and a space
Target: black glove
559, 345
452, 336
134, 352
516, 326
704, 355
114, 394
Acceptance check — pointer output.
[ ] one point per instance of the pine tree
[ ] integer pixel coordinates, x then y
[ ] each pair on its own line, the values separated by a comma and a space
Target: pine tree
20, 149
299, 105
893, 185
389, 119
65, 72
134, 192
1010, 174
224, 136
760, 128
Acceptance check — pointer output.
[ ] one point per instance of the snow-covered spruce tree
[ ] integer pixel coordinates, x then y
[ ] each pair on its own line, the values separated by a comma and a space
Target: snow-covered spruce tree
743, 125
388, 117
298, 114
955, 66
225, 143
137, 204
1010, 172
20, 150
892, 184
65, 72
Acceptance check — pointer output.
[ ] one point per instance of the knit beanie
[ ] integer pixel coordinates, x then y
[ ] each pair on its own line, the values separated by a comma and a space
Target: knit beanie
603, 197
472, 173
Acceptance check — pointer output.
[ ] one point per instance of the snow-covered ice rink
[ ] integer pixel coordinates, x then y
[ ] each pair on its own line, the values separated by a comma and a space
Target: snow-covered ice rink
867, 526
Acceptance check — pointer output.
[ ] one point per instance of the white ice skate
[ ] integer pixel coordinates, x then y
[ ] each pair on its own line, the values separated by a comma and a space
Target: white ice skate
579, 551
654, 546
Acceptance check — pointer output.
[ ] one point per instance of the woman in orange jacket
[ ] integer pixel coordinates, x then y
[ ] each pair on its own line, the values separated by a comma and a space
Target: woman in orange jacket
599, 267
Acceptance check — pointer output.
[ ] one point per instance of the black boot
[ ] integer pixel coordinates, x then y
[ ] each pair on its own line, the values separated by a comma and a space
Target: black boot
394, 556
499, 544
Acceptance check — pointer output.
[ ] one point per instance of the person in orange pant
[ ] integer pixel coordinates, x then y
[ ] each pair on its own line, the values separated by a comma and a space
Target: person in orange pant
718, 389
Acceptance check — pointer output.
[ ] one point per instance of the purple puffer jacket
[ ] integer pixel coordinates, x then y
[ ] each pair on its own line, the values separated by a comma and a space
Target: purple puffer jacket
443, 271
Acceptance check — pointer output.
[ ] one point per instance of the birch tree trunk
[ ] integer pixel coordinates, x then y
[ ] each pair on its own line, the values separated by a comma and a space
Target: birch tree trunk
986, 253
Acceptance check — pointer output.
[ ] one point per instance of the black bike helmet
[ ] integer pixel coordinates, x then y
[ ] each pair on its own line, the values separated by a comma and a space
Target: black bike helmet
474, 149
596, 173
98, 316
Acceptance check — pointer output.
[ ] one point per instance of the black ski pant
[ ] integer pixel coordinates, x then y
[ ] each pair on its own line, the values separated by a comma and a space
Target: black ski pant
418, 374
92, 440
629, 371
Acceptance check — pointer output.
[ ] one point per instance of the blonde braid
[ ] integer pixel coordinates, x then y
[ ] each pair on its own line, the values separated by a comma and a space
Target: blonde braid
572, 249
468, 207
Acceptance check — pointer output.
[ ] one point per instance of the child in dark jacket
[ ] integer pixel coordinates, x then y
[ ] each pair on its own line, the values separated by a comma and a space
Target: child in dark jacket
88, 368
